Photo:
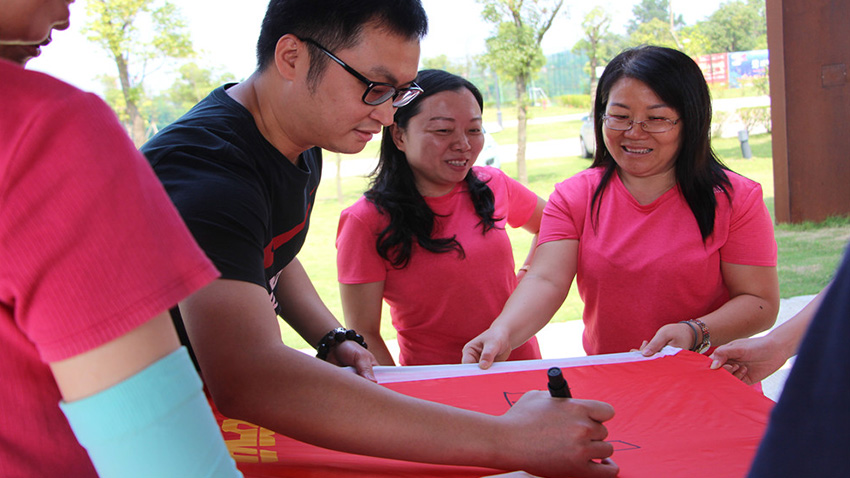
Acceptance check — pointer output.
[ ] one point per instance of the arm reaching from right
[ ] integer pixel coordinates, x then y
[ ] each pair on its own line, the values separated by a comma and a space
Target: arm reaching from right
754, 359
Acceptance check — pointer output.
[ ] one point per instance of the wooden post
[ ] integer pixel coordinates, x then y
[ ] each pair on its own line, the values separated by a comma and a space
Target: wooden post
810, 108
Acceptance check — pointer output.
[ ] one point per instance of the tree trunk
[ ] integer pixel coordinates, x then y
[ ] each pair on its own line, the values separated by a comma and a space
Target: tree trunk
136, 124
339, 178
522, 123
138, 131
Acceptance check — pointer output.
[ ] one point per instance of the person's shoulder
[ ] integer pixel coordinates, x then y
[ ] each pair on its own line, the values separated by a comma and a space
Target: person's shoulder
362, 213
41, 84
739, 181
589, 177
36, 94
578, 188
208, 133
742, 187
363, 207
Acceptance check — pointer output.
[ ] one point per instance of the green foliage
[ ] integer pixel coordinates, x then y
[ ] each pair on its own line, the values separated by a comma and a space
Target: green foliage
172, 35
114, 26
694, 41
194, 84
648, 10
762, 83
114, 97
581, 102
513, 53
440, 62
738, 25
654, 32
809, 253
122, 28
755, 116
598, 43
718, 120
724, 92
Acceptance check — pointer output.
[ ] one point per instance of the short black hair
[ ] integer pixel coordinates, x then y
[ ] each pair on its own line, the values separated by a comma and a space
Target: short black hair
335, 24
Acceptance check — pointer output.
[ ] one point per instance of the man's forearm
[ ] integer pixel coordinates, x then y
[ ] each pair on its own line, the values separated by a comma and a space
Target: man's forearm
300, 304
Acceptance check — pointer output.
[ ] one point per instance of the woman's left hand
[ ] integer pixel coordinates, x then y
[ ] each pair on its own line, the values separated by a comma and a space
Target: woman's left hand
678, 335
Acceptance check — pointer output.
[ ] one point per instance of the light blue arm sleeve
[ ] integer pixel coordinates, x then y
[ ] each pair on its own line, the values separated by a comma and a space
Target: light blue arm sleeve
155, 423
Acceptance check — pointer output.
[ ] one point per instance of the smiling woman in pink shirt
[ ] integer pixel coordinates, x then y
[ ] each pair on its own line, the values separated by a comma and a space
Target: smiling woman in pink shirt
667, 245
429, 235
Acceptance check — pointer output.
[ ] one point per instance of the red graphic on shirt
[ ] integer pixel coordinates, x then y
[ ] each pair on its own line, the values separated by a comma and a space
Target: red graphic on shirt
268, 252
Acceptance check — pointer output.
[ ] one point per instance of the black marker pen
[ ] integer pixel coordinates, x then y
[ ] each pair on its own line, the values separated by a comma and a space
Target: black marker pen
557, 384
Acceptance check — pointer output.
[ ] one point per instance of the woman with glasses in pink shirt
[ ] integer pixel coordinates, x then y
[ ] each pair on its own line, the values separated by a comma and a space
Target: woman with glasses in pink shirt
667, 245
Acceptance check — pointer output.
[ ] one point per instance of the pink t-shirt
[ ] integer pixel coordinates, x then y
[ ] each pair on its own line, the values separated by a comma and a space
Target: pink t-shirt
646, 265
91, 248
441, 301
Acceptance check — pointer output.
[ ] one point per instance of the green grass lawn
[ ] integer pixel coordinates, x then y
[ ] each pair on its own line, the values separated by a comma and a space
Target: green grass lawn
808, 253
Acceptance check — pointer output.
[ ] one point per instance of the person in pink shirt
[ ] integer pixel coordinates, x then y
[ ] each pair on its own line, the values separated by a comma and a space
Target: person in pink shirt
668, 246
94, 380
429, 235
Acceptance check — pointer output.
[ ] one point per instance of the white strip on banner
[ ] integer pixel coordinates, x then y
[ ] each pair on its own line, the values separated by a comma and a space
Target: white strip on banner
386, 374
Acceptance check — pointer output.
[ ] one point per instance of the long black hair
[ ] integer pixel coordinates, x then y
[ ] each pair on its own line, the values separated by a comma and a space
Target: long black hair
680, 83
393, 188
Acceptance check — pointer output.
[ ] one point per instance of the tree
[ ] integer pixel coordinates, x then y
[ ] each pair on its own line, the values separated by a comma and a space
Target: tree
737, 25
123, 29
694, 41
648, 10
654, 32
192, 85
598, 43
514, 53
195, 83
442, 62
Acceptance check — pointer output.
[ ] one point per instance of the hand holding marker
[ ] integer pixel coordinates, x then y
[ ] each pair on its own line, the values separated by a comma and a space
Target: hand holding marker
557, 384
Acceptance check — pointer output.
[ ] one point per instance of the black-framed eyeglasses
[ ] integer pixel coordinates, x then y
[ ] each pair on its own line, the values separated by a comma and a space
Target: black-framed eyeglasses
376, 92
654, 125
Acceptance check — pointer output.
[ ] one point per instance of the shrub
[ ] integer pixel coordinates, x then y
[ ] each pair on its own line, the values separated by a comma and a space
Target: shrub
575, 101
755, 116
719, 118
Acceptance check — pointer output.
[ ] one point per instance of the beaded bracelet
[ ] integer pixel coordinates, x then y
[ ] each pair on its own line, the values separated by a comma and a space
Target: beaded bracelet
706, 337
336, 337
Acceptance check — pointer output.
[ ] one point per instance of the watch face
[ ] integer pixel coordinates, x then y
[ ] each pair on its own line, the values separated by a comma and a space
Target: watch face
703, 347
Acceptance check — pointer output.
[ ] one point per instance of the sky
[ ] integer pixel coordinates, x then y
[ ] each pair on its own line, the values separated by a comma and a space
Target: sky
225, 33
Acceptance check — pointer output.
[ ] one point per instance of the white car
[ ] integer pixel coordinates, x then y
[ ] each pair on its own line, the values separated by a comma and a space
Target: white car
489, 155
587, 137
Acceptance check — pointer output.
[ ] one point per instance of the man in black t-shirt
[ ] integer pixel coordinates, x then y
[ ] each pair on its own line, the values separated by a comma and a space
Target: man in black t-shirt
242, 168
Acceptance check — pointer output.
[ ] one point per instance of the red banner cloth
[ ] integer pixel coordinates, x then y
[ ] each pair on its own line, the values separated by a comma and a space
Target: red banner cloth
674, 418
